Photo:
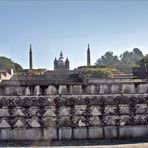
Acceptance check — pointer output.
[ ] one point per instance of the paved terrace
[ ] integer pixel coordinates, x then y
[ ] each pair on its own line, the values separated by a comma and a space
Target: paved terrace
124, 143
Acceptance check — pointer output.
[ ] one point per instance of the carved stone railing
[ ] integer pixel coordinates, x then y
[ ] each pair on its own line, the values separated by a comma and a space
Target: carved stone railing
73, 117
75, 89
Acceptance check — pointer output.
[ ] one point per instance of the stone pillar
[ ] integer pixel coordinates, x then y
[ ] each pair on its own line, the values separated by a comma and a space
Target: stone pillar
51, 90
76, 89
27, 91
37, 90
62, 89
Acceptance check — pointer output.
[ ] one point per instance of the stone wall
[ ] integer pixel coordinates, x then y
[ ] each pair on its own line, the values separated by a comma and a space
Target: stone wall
74, 116
75, 89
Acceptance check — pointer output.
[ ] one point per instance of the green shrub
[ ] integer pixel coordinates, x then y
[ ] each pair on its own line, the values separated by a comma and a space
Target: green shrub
98, 72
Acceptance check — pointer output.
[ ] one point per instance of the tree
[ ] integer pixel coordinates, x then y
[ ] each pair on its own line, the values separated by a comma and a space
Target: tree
129, 59
108, 59
126, 62
133, 56
144, 63
142, 70
8, 63
138, 52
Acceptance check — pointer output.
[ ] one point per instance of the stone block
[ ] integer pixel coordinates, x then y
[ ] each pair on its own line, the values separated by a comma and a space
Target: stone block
76, 89
5, 134
7, 90
2, 90
49, 133
91, 89
80, 110
27, 134
134, 131
80, 133
27, 91
37, 90
110, 132
51, 90
21, 134
104, 89
62, 89
128, 88
115, 89
95, 133
142, 88
65, 133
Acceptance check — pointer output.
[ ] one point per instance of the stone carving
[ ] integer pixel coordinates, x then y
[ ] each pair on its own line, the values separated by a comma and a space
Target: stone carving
49, 113
18, 112
95, 111
49, 121
34, 123
124, 109
141, 108
94, 121
19, 124
4, 124
110, 110
80, 110
34, 112
4, 112
64, 112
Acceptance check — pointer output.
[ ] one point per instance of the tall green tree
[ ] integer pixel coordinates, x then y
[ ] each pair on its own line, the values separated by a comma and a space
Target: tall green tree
125, 63
129, 59
108, 59
133, 56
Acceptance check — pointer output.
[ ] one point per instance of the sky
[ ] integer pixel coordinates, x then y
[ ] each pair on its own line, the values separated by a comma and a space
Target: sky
54, 25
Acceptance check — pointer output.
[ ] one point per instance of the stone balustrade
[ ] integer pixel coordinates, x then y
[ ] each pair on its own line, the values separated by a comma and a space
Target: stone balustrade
75, 89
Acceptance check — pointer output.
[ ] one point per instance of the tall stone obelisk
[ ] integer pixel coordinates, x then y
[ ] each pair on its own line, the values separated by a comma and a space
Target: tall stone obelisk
30, 58
88, 56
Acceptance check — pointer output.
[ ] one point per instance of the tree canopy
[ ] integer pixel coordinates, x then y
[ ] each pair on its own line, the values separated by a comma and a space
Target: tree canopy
141, 70
126, 60
8, 63
108, 59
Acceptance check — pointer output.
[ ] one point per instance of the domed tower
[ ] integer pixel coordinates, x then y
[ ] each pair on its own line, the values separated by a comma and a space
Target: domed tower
60, 64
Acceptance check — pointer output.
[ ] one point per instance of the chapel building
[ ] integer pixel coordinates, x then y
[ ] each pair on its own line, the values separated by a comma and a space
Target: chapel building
61, 64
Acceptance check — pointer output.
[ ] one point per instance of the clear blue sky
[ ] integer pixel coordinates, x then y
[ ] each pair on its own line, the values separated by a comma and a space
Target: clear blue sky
52, 26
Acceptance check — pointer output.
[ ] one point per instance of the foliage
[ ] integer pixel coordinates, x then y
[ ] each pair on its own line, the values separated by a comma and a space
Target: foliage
98, 72
108, 59
131, 57
142, 70
144, 62
126, 60
33, 71
8, 63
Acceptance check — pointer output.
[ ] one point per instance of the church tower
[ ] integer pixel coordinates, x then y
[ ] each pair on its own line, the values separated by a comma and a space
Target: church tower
60, 64
55, 64
30, 58
88, 56
67, 64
